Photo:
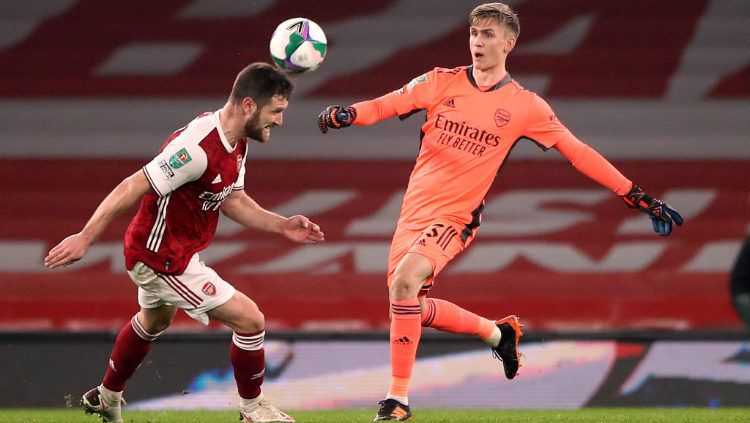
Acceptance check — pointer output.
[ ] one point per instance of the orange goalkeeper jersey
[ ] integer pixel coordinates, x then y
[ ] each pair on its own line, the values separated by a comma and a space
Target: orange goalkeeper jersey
467, 136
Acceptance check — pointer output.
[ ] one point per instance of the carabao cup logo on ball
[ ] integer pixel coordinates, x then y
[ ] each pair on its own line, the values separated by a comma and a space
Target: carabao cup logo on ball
298, 45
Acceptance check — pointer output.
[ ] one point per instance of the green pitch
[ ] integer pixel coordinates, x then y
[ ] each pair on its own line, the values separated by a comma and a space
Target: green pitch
629, 415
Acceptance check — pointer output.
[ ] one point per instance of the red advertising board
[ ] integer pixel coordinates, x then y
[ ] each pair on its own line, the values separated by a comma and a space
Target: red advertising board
554, 247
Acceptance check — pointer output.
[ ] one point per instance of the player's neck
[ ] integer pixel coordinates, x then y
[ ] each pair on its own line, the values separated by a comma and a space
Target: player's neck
233, 128
489, 77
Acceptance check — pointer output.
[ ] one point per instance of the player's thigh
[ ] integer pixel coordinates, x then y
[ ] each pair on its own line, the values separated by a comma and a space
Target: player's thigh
196, 291
401, 245
438, 243
240, 313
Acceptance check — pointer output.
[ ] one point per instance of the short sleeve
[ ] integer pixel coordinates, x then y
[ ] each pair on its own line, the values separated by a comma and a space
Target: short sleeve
176, 165
543, 126
239, 184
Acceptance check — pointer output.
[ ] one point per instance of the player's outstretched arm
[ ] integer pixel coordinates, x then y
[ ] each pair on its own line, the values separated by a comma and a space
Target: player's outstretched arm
336, 117
300, 229
661, 214
596, 167
239, 207
72, 248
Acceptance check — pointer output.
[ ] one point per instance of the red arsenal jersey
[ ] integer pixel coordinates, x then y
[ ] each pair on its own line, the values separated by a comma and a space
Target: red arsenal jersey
195, 171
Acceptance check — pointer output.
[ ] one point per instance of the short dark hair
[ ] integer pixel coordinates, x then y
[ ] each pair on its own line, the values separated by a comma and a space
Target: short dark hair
261, 82
499, 12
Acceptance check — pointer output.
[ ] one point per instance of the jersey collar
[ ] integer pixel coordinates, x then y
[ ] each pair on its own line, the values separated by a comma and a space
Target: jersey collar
497, 86
220, 130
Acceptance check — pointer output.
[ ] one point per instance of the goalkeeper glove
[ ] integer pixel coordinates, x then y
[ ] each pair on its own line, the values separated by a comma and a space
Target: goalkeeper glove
661, 214
336, 117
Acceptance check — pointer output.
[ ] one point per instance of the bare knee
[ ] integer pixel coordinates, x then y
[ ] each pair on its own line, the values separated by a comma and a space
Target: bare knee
240, 313
410, 274
156, 320
250, 320
404, 287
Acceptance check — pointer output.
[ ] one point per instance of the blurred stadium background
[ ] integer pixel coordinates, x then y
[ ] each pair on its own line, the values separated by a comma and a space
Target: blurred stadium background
615, 315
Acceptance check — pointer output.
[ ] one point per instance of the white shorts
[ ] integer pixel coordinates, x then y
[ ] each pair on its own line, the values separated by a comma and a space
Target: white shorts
197, 291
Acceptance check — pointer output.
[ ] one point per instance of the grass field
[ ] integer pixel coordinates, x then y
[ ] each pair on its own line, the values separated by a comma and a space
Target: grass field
691, 415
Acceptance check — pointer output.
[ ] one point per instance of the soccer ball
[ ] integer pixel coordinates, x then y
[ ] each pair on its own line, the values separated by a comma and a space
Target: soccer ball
298, 45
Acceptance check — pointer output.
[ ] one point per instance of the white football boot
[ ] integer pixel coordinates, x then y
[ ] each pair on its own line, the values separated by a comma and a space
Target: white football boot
94, 403
263, 412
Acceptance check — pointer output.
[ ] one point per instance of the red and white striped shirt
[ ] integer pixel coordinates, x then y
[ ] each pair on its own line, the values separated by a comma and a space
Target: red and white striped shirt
195, 171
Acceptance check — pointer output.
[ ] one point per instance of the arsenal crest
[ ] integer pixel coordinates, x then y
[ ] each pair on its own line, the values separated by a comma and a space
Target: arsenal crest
209, 289
502, 117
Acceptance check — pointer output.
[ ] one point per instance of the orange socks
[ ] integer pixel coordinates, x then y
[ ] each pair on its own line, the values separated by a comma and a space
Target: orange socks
448, 317
406, 329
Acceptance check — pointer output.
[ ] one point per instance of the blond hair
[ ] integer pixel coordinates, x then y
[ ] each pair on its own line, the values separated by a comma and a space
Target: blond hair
498, 12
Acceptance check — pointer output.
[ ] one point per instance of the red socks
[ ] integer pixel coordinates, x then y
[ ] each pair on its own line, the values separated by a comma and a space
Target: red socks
133, 343
248, 360
131, 347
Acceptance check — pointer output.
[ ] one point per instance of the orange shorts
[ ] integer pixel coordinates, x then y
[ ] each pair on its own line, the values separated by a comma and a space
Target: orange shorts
440, 242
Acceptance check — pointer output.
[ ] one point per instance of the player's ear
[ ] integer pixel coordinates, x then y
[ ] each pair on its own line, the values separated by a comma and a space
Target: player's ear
509, 44
249, 106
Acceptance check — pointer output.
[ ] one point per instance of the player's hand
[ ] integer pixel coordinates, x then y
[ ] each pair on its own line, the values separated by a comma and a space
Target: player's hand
336, 117
300, 229
68, 251
661, 214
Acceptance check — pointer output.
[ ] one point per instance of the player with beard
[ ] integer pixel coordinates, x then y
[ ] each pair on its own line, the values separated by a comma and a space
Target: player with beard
199, 172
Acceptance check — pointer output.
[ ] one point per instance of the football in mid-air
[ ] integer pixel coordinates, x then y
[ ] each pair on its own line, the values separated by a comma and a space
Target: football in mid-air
298, 45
